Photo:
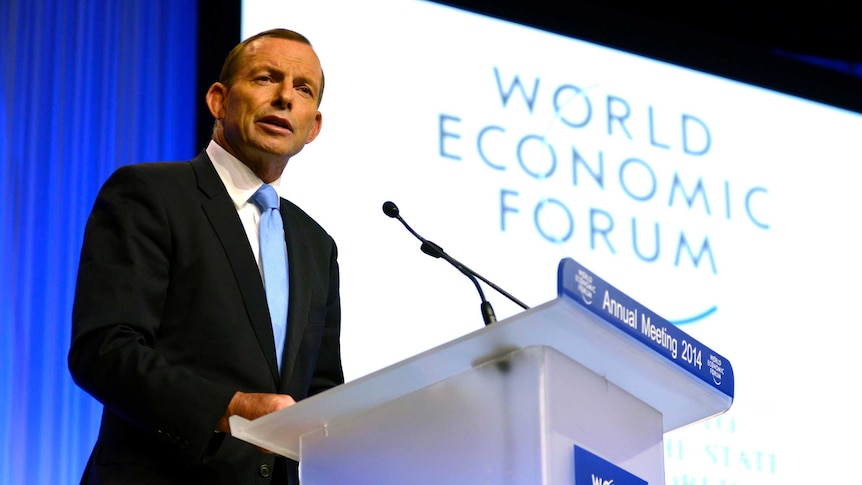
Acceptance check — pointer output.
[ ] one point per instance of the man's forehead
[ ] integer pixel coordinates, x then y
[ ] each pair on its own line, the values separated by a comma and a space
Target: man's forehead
278, 51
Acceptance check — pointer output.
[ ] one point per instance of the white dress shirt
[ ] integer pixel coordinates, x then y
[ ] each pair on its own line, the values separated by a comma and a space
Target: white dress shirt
241, 183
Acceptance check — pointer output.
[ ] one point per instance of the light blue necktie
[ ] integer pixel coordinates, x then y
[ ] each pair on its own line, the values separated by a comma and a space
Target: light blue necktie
273, 255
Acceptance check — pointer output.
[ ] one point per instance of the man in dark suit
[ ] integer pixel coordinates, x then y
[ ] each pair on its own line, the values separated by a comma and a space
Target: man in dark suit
171, 324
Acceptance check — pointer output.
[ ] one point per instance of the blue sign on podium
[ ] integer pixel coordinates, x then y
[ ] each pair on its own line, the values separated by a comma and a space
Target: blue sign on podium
613, 306
591, 469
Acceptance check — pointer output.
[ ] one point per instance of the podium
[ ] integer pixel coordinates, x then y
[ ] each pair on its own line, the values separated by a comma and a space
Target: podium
578, 390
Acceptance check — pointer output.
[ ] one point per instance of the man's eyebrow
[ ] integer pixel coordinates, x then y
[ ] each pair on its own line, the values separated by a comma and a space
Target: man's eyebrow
263, 66
306, 79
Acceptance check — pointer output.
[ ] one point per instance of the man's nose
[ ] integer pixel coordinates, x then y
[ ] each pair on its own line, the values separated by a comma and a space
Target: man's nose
284, 96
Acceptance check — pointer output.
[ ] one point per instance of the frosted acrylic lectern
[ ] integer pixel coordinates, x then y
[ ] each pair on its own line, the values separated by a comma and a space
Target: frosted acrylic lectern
576, 390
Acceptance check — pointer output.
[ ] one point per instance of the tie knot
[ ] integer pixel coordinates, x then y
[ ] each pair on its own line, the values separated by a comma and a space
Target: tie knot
265, 198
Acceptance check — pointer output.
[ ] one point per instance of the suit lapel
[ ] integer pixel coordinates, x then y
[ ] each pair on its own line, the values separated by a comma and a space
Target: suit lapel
222, 215
298, 298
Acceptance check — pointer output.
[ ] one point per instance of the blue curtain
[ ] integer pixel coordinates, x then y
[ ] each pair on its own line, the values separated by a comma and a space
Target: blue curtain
87, 86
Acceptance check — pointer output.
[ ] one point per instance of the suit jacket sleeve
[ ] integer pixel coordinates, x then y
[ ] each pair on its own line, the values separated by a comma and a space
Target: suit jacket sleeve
313, 356
123, 282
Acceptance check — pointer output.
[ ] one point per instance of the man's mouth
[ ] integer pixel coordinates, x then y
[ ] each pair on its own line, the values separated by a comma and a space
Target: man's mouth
276, 121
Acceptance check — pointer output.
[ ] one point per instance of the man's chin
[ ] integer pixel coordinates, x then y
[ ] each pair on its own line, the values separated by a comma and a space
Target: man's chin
278, 148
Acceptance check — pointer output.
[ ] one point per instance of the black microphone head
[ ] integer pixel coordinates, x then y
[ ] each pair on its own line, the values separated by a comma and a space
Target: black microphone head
390, 209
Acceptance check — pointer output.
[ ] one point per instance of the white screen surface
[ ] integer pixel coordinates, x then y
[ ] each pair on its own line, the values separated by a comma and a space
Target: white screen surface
512, 148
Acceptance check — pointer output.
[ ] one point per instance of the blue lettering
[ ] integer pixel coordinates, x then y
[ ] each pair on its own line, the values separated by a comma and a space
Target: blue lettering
481, 151
721, 423
621, 117
756, 222
652, 139
705, 141
598, 175
550, 149
448, 134
749, 460
569, 226
648, 259
652, 181
698, 189
727, 199
588, 109
704, 250
684, 480
603, 230
673, 449
505, 95
504, 193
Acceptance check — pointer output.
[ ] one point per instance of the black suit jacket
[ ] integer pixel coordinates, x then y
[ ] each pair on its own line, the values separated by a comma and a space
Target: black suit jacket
170, 319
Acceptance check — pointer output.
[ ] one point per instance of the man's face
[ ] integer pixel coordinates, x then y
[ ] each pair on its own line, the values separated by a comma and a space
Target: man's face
270, 111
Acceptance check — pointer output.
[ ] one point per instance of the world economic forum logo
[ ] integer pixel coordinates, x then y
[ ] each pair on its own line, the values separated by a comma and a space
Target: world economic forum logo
593, 170
585, 286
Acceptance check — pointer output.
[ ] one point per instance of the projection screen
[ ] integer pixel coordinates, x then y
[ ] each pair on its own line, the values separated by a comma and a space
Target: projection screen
722, 206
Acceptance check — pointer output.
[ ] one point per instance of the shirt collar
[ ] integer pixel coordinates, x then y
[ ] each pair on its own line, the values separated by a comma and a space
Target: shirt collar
241, 183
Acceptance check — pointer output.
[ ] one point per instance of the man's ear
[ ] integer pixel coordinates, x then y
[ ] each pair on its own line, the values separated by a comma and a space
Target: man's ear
315, 130
215, 100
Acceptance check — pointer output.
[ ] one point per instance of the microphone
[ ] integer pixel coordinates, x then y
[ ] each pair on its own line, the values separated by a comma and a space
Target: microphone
432, 249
